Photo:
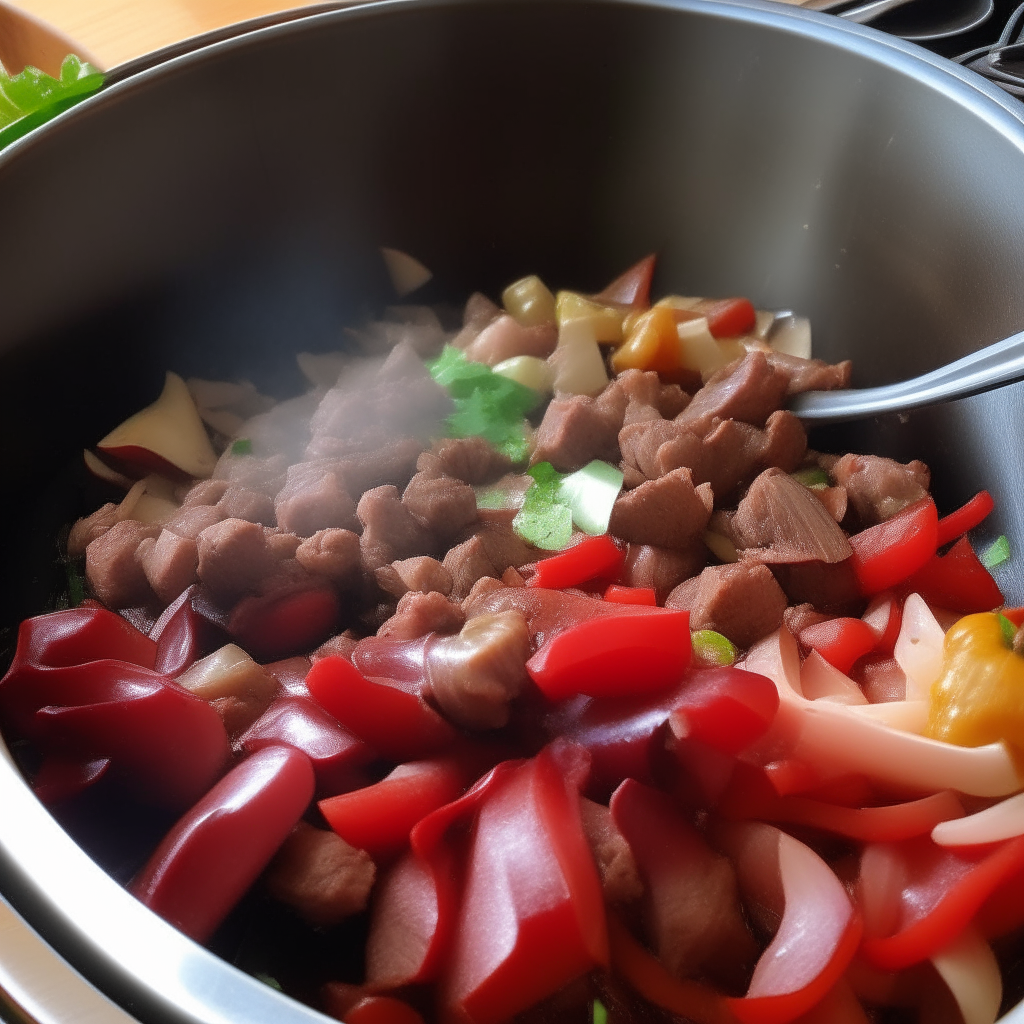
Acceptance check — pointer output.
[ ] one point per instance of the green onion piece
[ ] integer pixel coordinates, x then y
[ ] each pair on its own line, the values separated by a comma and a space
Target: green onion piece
1009, 630
812, 477
243, 446
997, 553
591, 492
712, 648
548, 527
31, 98
268, 980
600, 1015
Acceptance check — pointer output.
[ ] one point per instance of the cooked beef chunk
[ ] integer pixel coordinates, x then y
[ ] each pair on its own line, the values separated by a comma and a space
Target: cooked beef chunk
620, 877
421, 573
204, 492
245, 503
742, 602
341, 646
668, 512
479, 312
191, 520
320, 876
390, 530
86, 530
640, 386
473, 677
800, 616
878, 488
446, 506
735, 452
258, 474
331, 553
282, 545
811, 374
392, 462
314, 498
834, 499
662, 569
468, 562
828, 587
779, 520
577, 429
505, 338
505, 548
637, 413
418, 614
170, 563
470, 459
112, 568
233, 558
749, 390
672, 400
656, 446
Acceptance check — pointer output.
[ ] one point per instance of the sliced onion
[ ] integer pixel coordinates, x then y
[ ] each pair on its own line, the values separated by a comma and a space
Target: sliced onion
919, 647
821, 681
969, 967
1001, 821
908, 715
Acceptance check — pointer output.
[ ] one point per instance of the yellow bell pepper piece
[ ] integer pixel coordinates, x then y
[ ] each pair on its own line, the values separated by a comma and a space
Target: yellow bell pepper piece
979, 697
529, 301
606, 321
652, 344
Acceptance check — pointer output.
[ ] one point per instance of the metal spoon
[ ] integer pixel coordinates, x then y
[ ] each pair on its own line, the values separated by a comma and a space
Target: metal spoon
934, 20
996, 364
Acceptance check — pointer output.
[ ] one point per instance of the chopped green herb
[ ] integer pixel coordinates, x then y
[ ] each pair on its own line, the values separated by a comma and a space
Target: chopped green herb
712, 648
31, 98
600, 1015
548, 527
997, 553
591, 492
1008, 628
812, 478
268, 980
243, 446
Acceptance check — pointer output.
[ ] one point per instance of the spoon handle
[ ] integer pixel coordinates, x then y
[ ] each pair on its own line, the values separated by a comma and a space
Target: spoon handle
863, 13
995, 364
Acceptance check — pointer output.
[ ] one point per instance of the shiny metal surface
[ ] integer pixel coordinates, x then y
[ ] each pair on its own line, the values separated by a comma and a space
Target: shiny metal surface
219, 212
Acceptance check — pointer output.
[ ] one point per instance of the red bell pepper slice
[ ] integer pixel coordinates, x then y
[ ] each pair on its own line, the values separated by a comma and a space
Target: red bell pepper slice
944, 887
630, 595
388, 715
888, 553
382, 1010
183, 634
885, 616
956, 580
379, 818
731, 318
965, 518
218, 849
62, 777
840, 641
277, 626
615, 657
532, 915
632, 288
592, 558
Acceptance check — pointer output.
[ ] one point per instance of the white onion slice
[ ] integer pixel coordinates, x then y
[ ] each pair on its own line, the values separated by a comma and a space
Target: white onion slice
821, 681
406, 272
908, 715
1001, 821
919, 647
969, 967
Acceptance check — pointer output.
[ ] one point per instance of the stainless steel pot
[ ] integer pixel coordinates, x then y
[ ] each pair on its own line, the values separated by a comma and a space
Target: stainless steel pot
222, 210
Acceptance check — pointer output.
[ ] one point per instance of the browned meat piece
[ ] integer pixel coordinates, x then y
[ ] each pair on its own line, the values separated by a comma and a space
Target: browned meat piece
282, 545
233, 558
314, 498
474, 603
393, 462
640, 386
631, 476
331, 553
415, 404
577, 429
656, 446
828, 587
341, 645
473, 677
668, 512
258, 474
878, 488
834, 499
620, 877
244, 503
779, 520
191, 520
86, 530
742, 602
749, 390
672, 400
111, 566
390, 530
637, 413
505, 338
470, 459
811, 374
446, 506
512, 578
479, 312
468, 562
419, 614
421, 573
169, 562
505, 548
662, 569
204, 492
320, 876
800, 616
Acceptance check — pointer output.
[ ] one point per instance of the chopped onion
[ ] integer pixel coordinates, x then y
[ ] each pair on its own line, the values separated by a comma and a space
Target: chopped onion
792, 336
407, 273
322, 369
821, 681
919, 647
577, 362
969, 967
908, 715
530, 371
1004, 820
590, 493
100, 469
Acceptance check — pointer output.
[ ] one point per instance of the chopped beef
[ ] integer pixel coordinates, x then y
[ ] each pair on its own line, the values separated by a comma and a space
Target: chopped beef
191, 520
203, 492
640, 386
577, 429
668, 512
505, 548
340, 646
244, 503
834, 499
467, 563
878, 488
320, 876
390, 530
446, 506
419, 613
779, 520
638, 413
233, 558
511, 577
749, 390
112, 568
86, 530
742, 602
420, 573
662, 569
314, 498
828, 587
505, 338
672, 400
169, 562
798, 617
811, 374
333, 553
281, 544
258, 474
620, 877
393, 462
479, 312
469, 459
655, 447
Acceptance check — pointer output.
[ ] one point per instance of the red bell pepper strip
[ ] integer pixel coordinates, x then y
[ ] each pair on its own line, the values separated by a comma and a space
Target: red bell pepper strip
403, 660
888, 553
382, 1010
276, 626
183, 634
532, 915
615, 657
390, 716
336, 754
956, 580
218, 849
945, 886
379, 818
731, 318
61, 777
965, 518
632, 288
1015, 615
630, 595
840, 641
885, 616
592, 558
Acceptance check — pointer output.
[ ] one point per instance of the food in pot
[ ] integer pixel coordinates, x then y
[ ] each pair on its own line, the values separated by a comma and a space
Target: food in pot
543, 662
